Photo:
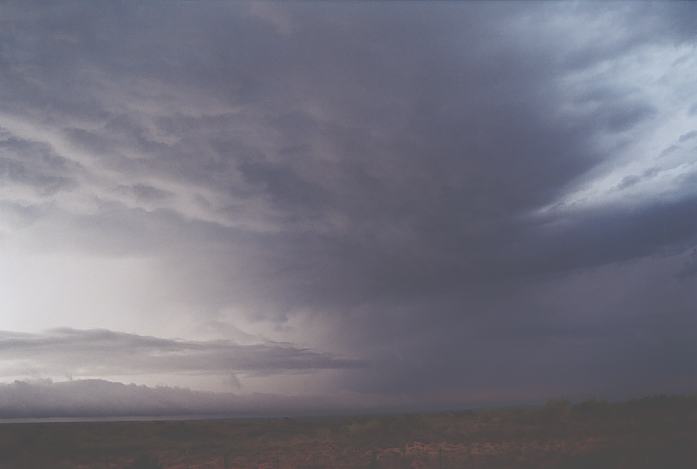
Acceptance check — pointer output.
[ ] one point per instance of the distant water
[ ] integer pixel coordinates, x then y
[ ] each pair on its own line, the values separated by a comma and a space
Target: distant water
145, 418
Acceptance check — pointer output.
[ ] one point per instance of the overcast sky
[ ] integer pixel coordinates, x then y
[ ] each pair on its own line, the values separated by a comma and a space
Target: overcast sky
424, 203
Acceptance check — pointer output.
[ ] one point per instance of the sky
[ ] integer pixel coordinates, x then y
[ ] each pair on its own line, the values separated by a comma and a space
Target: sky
359, 204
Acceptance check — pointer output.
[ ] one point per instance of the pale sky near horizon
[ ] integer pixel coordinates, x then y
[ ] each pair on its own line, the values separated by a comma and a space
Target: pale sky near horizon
426, 202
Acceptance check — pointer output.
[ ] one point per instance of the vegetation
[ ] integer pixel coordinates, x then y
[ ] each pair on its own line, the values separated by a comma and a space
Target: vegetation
656, 432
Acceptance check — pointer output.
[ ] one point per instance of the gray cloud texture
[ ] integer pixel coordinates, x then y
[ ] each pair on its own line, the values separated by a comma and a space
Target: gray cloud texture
100, 352
469, 198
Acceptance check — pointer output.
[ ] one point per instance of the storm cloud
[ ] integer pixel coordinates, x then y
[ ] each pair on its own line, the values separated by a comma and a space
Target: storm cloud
430, 202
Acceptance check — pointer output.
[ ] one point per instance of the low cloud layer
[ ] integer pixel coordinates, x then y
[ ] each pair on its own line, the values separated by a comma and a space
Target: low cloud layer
100, 352
100, 398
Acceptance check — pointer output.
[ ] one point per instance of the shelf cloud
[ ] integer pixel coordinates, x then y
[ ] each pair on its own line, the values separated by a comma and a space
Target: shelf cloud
101, 352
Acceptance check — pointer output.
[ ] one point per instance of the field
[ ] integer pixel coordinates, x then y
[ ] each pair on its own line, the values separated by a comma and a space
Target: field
656, 432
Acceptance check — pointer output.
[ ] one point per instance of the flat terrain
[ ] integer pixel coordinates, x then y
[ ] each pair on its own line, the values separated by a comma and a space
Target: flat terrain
656, 433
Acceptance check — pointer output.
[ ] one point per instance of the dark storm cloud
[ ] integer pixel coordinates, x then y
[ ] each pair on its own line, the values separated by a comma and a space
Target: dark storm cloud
689, 268
33, 166
99, 352
380, 169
